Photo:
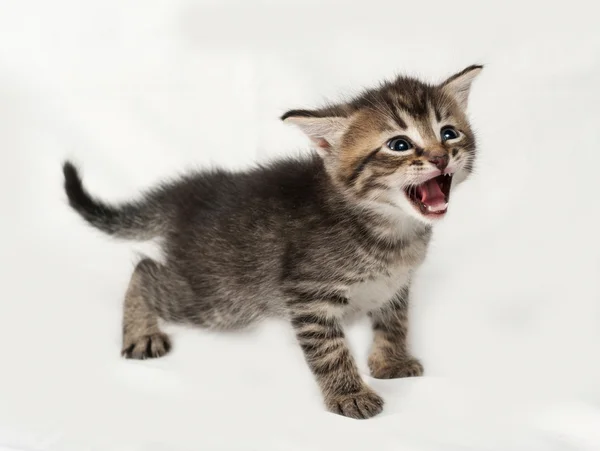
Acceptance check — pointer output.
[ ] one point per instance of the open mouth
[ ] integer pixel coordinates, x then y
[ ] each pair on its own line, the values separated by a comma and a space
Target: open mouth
431, 197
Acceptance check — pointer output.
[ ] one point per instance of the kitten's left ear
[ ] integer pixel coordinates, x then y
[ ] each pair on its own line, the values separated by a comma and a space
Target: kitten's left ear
459, 85
325, 132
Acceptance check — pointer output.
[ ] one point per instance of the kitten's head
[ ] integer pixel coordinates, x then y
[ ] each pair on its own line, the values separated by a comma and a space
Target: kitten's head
400, 147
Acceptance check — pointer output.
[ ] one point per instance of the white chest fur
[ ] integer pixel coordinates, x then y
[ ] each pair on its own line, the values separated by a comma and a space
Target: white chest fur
372, 294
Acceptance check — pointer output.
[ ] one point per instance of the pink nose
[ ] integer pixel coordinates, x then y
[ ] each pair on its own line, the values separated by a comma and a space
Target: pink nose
440, 161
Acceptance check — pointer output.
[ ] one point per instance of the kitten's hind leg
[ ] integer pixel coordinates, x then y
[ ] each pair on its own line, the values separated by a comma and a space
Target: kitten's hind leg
151, 292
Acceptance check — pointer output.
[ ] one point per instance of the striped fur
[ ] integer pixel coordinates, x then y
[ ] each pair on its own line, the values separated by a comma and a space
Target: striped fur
316, 240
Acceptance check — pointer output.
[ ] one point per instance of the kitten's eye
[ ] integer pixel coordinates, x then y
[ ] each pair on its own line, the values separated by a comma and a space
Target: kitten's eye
449, 133
399, 144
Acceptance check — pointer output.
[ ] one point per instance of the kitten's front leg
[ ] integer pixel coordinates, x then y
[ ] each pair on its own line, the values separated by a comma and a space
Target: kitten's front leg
390, 357
324, 345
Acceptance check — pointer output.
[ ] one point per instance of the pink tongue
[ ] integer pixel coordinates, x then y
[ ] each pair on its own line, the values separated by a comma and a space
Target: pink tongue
431, 194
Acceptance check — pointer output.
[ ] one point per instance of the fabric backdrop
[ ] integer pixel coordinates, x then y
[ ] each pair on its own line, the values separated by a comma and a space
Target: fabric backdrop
506, 313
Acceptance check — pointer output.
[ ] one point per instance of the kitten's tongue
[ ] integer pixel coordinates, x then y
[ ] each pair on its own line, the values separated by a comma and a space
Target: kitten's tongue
432, 195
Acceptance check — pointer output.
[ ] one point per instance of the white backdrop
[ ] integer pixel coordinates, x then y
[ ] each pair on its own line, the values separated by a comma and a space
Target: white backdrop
506, 312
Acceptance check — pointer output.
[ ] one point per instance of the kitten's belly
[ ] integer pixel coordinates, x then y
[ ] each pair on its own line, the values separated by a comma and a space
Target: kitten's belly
372, 294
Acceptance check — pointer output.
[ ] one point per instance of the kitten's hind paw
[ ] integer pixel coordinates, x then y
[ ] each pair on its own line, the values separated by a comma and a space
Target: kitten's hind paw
361, 405
146, 346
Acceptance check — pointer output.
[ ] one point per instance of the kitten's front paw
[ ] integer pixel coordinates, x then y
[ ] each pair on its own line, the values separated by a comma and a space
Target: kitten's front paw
361, 405
394, 368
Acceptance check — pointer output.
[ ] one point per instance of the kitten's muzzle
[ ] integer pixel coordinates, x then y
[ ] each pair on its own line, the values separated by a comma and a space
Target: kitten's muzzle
440, 161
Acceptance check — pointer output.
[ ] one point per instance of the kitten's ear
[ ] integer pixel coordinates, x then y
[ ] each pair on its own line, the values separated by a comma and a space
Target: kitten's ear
459, 85
324, 132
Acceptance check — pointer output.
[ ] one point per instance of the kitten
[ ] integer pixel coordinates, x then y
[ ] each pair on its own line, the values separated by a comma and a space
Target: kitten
316, 239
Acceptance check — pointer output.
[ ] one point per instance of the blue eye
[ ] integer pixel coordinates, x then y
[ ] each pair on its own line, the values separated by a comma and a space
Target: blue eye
449, 133
399, 144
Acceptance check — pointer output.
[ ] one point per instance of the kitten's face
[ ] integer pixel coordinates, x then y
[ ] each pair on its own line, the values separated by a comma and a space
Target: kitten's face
407, 158
400, 148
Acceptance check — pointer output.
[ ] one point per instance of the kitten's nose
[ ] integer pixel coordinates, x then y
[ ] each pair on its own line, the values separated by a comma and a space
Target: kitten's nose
440, 161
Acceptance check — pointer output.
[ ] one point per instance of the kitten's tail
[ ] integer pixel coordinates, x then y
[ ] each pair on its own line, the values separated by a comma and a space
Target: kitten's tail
141, 220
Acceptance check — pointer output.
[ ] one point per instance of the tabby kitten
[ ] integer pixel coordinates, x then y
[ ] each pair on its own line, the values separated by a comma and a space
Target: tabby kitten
315, 239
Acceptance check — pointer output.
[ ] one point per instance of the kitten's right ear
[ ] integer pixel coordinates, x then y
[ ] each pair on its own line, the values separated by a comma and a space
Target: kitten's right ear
459, 85
324, 132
